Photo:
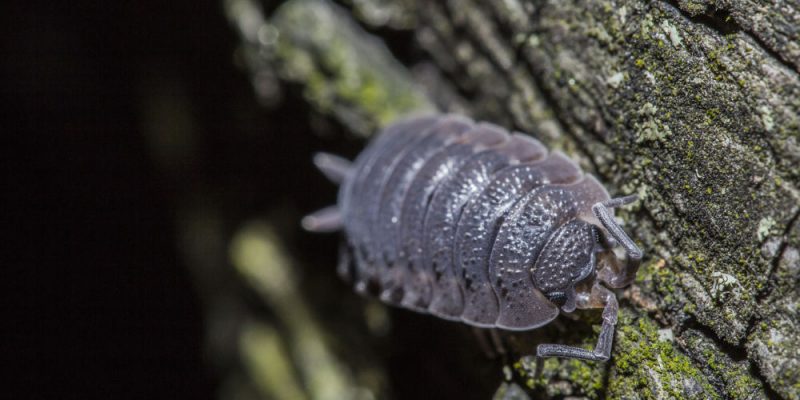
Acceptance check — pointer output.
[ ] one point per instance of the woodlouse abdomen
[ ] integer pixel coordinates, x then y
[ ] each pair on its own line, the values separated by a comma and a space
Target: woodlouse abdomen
468, 222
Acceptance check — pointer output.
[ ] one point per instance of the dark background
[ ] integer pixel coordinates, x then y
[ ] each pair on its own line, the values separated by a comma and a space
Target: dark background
98, 303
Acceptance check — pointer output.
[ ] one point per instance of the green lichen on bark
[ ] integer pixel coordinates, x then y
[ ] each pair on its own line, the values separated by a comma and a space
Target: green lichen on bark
774, 23
774, 343
664, 121
702, 124
259, 257
343, 71
648, 365
562, 377
341, 67
730, 376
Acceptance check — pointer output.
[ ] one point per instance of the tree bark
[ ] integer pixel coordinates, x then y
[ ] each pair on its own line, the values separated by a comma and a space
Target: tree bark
692, 105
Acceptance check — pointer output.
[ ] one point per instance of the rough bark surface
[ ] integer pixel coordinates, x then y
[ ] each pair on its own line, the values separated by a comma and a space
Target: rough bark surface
693, 105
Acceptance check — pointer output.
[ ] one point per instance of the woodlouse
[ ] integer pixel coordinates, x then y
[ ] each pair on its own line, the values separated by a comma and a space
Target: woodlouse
470, 223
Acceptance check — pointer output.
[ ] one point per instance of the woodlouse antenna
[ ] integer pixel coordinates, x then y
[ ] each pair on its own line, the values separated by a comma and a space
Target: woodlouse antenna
622, 276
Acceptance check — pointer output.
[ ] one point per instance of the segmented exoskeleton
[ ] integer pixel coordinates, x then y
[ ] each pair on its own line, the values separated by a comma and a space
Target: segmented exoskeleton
469, 223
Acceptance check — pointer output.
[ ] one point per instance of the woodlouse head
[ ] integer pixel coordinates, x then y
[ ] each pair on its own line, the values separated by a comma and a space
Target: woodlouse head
567, 259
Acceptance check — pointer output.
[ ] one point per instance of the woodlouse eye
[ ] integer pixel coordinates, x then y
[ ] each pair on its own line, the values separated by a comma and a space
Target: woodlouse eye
596, 235
557, 298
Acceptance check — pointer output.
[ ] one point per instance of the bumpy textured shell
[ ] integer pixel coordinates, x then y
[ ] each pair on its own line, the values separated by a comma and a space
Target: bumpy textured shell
447, 216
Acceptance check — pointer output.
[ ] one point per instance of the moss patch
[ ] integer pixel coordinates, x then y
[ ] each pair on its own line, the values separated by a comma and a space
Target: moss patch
645, 366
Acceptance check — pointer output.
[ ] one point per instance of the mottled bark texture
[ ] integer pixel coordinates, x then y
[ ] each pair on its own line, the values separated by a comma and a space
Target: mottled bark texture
692, 105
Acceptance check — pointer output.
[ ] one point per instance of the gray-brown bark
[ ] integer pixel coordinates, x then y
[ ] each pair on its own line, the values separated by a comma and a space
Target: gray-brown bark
695, 106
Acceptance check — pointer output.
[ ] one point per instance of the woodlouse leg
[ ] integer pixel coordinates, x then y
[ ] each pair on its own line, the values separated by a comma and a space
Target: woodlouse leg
328, 219
599, 297
618, 277
345, 265
333, 167
497, 341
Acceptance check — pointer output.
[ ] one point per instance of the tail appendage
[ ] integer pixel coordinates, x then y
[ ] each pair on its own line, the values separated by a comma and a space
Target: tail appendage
328, 219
